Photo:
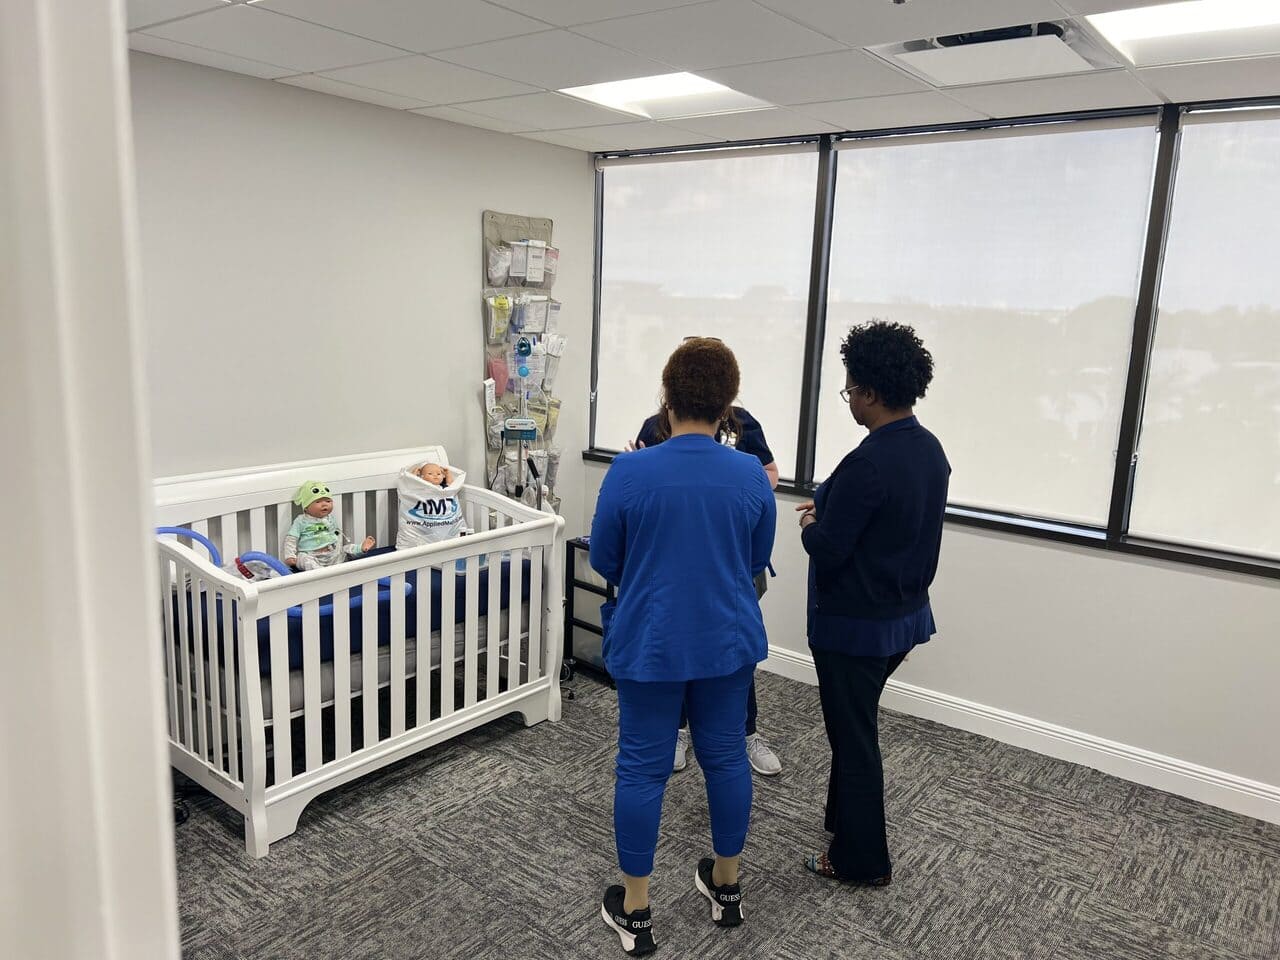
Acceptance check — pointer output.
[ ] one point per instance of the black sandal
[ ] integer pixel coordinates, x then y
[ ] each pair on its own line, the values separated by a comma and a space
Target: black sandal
819, 864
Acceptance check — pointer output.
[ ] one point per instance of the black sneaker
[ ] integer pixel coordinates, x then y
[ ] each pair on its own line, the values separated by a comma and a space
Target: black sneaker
634, 929
726, 900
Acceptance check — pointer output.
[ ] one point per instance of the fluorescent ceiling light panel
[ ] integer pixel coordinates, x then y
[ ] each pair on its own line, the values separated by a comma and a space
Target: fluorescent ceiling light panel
1193, 30
1018, 59
669, 96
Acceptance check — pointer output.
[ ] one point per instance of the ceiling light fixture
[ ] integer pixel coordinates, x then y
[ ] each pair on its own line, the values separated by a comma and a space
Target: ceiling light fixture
668, 96
1192, 30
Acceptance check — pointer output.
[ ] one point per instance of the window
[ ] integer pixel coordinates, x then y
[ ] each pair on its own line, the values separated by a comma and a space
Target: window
1016, 256
1208, 470
708, 246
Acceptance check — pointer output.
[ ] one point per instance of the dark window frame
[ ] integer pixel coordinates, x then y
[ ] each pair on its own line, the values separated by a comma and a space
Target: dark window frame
1114, 537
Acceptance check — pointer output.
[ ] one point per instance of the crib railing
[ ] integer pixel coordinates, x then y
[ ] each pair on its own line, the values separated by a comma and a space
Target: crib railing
242, 727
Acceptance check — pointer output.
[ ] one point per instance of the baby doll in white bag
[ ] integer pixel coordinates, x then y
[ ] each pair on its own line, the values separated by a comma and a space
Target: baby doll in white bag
429, 507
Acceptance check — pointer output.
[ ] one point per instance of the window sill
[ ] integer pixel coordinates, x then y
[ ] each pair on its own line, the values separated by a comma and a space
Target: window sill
1059, 532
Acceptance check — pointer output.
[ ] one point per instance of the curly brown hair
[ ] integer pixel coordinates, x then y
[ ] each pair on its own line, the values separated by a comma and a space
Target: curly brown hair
700, 380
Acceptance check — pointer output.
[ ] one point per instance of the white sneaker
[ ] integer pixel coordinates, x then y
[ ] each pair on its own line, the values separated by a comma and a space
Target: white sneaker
682, 750
763, 760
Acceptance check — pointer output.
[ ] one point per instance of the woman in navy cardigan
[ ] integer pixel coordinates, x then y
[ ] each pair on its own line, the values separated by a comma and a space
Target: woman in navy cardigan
872, 534
683, 528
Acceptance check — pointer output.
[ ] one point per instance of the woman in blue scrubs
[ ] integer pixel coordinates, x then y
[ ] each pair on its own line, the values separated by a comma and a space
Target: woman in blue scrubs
743, 432
683, 529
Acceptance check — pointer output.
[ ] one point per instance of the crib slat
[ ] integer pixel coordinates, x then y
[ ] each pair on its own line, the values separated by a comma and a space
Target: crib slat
493, 625
482, 522
382, 514
200, 653
230, 633
281, 735
230, 537
258, 532
471, 647
185, 602
215, 678
448, 636
311, 682
167, 597
341, 674
535, 613
397, 671
514, 618
284, 520
358, 527
369, 658
422, 640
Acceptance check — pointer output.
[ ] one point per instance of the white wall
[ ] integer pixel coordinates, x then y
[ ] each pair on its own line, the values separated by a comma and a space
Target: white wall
1149, 655
312, 271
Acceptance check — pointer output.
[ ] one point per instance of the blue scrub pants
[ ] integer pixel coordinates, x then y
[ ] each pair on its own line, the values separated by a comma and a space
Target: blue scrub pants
648, 716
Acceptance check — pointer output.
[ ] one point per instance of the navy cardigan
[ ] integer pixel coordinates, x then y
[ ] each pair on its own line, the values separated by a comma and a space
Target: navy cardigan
874, 549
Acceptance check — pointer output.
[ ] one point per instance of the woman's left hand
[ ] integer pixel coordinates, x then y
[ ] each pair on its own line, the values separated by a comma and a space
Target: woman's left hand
808, 518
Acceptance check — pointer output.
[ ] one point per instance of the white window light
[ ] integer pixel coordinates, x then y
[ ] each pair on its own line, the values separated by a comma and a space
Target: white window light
668, 96
1193, 30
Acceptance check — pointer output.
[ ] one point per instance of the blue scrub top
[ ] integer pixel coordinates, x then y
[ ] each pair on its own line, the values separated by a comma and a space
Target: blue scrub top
683, 528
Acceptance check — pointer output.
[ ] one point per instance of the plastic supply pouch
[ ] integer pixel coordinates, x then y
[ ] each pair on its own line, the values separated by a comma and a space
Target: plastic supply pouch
551, 267
499, 265
499, 373
498, 308
535, 314
428, 513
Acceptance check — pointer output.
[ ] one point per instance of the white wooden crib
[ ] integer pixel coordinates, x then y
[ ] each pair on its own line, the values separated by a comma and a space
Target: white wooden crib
498, 655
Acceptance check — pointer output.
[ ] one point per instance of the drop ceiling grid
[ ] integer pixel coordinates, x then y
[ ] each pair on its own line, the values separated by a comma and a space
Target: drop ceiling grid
1007, 98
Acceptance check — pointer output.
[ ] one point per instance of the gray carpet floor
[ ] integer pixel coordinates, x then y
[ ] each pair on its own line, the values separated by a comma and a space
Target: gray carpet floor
498, 845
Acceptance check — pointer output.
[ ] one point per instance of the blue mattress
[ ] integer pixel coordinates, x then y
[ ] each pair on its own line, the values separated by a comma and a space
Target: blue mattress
355, 613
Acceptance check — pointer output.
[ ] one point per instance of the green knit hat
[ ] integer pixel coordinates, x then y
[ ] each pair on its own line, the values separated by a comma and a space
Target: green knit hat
310, 492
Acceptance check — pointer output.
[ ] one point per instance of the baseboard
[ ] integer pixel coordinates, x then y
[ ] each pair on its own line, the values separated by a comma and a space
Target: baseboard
1206, 785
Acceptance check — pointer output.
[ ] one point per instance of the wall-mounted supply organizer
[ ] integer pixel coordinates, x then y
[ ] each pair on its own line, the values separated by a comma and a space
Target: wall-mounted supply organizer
523, 348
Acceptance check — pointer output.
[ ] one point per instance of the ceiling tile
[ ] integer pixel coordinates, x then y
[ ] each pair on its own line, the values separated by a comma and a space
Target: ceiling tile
560, 140
568, 13
828, 76
428, 81
555, 60
1095, 91
1106, 6
454, 115
245, 31
143, 13
547, 111
638, 136
208, 58
904, 110
716, 34
420, 25
1217, 80
314, 81
756, 124
864, 23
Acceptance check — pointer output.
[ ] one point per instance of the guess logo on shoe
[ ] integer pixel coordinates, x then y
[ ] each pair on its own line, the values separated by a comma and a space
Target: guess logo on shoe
641, 924
730, 897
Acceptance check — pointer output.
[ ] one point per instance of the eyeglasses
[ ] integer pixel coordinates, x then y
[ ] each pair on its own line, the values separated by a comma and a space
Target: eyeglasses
844, 394
716, 339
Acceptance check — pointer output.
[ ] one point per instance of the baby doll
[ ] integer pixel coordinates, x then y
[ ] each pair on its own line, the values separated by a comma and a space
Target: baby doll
314, 540
434, 473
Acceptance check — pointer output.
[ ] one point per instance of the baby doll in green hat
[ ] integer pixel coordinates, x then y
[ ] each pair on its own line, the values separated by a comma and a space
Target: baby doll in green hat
314, 540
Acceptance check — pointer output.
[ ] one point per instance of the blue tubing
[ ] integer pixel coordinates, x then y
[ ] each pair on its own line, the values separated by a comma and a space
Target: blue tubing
272, 562
214, 555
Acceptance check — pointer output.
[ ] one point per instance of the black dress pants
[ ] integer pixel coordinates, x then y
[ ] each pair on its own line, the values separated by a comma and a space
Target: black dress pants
850, 689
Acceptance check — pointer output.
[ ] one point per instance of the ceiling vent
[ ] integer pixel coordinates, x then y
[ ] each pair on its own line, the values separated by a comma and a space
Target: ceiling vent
1048, 49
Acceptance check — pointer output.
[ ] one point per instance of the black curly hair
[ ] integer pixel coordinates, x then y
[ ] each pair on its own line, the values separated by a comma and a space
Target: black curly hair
889, 359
